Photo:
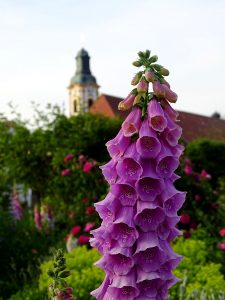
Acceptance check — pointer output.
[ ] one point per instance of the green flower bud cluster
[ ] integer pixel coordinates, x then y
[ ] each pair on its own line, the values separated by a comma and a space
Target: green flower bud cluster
148, 62
151, 72
59, 289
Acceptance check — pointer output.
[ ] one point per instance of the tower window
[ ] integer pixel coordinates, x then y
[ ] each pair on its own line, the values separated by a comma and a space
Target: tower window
90, 102
74, 106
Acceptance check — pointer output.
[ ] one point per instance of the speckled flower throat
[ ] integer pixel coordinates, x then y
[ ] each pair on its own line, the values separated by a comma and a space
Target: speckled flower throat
139, 214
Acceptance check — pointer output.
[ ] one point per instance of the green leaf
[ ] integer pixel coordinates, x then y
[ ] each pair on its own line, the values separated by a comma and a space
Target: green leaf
64, 274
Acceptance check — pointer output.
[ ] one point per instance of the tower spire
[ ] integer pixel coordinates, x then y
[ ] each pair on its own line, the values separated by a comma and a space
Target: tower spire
83, 88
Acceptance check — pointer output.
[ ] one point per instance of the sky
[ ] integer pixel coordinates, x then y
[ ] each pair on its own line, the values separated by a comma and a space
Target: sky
39, 40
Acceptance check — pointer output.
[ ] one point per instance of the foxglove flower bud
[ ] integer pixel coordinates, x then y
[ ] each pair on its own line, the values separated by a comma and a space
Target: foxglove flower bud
158, 89
164, 71
136, 78
137, 63
127, 102
154, 58
169, 94
165, 82
149, 75
139, 214
142, 86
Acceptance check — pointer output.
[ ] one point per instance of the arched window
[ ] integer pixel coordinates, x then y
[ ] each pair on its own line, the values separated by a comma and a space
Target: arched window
74, 106
90, 102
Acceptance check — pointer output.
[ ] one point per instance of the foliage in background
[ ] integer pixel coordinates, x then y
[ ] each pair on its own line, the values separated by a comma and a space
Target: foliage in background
35, 157
209, 155
22, 248
204, 207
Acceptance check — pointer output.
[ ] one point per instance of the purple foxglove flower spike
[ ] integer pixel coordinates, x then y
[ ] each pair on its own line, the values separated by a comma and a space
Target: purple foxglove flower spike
37, 218
139, 214
17, 210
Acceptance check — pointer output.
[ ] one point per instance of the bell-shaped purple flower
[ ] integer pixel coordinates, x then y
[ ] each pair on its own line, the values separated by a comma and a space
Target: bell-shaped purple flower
172, 113
166, 166
148, 145
125, 215
120, 264
173, 204
129, 169
149, 219
132, 123
156, 116
100, 292
105, 208
148, 188
125, 235
150, 259
124, 287
117, 146
109, 171
125, 193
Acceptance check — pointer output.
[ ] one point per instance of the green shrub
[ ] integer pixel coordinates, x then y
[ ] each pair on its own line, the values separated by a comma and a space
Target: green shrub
200, 273
29, 293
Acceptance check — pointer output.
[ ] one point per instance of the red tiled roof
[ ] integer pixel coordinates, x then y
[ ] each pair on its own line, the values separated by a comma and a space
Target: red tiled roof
194, 126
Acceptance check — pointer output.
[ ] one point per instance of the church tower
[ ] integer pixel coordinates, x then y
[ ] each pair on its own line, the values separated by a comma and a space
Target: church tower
83, 88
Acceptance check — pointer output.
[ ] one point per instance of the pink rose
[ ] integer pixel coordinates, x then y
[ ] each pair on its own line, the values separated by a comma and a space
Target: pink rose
65, 172
90, 210
188, 170
185, 219
87, 167
83, 239
88, 227
71, 215
221, 246
68, 157
75, 230
222, 232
